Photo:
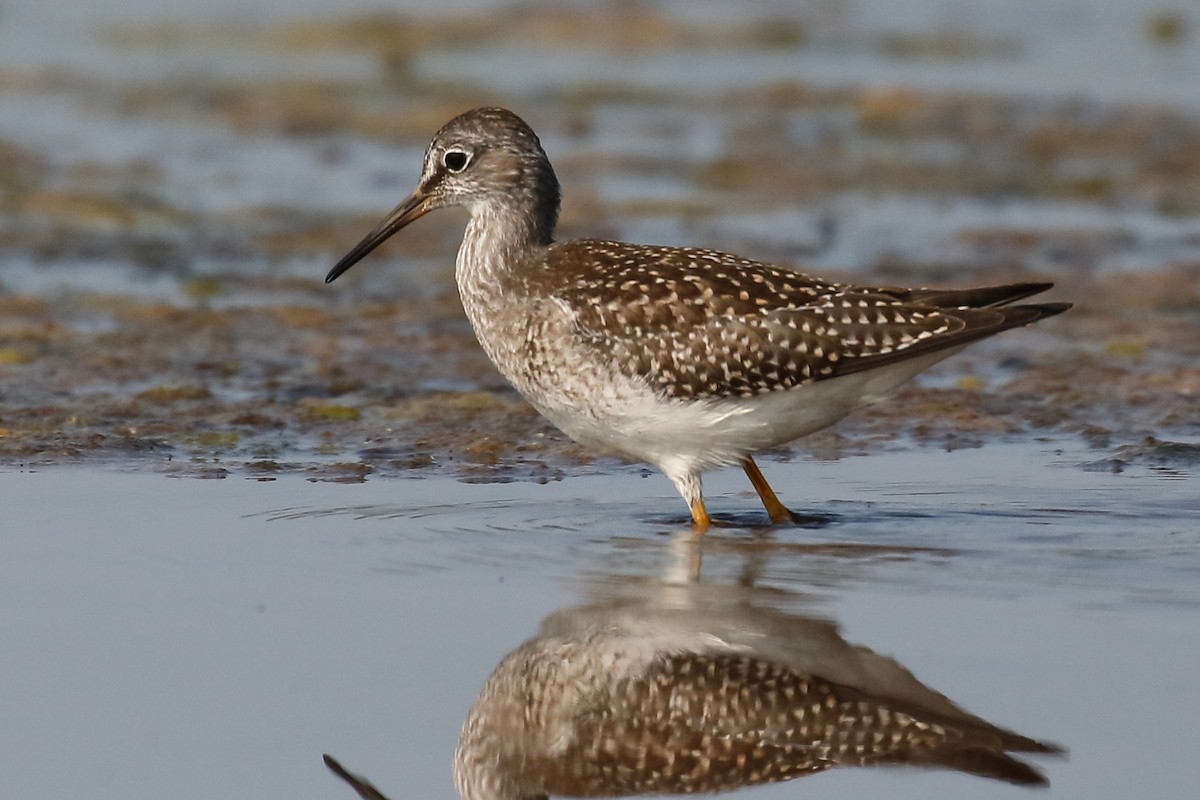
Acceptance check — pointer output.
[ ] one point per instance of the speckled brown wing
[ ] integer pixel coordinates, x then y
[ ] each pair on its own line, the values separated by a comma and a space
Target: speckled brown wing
712, 723
700, 324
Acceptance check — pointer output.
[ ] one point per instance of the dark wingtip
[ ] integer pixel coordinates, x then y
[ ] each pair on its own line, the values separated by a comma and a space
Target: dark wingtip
978, 297
1049, 309
1049, 749
985, 762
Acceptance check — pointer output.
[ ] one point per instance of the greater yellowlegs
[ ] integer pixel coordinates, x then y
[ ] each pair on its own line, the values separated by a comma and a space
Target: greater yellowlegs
688, 359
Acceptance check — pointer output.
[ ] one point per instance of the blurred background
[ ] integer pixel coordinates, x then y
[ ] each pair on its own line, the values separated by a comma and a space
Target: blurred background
177, 177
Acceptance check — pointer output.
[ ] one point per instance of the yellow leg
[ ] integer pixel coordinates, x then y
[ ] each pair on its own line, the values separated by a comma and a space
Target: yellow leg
700, 520
775, 509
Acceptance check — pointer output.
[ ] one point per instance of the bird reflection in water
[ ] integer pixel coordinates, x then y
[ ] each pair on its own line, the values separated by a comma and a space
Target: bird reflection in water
681, 687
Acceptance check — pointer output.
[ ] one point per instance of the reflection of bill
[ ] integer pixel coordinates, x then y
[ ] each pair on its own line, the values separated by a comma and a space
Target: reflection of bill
694, 688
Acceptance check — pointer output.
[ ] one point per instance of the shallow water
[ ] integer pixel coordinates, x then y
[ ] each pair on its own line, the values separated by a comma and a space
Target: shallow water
213, 638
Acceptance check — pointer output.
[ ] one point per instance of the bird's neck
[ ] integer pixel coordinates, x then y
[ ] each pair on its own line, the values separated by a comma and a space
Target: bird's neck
512, 229
502, 260
508, 227
501, 245
499, 265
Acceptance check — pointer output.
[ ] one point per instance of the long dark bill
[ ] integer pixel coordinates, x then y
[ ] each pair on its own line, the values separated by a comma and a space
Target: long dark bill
414, 207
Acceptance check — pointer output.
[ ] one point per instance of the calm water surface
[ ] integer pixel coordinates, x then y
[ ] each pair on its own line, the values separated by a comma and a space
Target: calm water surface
194, 638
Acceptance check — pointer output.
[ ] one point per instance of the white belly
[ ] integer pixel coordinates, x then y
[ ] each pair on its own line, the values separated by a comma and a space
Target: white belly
690, 437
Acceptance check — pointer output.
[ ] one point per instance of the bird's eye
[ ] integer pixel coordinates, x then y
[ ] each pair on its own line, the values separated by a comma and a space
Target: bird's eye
456, 160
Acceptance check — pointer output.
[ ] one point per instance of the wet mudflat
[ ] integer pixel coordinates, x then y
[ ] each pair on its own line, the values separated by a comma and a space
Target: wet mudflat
386, 518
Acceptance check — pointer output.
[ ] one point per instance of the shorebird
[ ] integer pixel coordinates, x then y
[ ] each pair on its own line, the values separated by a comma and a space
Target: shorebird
697, 689
685, 358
